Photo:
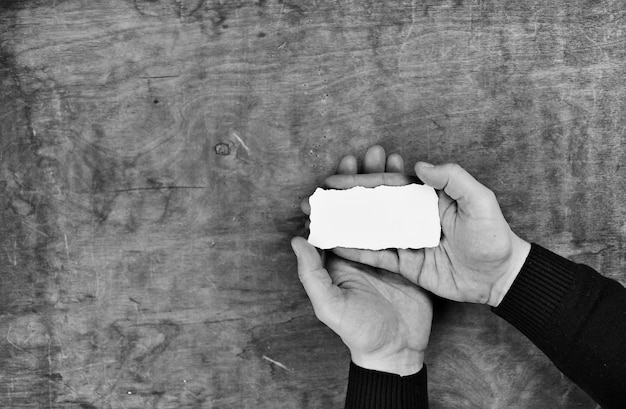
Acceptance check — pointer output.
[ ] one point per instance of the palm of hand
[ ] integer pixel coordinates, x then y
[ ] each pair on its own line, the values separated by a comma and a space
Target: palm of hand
473, 254
380, 313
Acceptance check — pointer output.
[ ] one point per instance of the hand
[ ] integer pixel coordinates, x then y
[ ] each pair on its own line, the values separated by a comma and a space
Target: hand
478, 256
382, 318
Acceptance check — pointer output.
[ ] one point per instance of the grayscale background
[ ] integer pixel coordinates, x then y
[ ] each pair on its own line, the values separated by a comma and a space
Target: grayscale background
153, 154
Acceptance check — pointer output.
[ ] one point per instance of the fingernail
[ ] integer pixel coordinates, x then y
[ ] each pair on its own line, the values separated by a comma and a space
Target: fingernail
425, 164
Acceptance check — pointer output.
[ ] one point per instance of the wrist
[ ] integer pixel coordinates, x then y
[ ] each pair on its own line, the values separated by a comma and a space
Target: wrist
521, 249
380, 390
403, 363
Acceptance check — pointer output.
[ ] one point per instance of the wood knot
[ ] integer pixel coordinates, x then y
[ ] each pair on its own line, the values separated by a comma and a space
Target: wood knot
222, 149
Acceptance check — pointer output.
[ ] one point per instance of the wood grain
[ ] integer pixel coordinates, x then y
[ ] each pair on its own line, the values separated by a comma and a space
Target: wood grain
154, 153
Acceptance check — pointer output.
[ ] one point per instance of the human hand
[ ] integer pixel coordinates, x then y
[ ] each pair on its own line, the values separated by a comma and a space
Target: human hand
478, 256
382, 318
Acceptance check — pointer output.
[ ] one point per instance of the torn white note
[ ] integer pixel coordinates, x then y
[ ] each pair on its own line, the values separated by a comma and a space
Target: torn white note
375, 218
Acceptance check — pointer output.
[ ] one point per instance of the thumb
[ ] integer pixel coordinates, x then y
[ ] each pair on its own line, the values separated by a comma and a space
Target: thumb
455, 181
315, 279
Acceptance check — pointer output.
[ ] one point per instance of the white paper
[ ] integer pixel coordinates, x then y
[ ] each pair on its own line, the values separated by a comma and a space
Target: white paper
375, 218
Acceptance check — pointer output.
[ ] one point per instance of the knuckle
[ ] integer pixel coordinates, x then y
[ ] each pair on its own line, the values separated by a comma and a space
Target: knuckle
488, 196
454, 168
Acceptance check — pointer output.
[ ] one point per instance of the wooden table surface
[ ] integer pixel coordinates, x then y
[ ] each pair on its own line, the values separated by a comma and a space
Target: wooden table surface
153, 154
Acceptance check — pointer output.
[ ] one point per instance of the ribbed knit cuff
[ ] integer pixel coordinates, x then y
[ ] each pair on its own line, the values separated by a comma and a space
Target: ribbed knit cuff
537, 292
369, 389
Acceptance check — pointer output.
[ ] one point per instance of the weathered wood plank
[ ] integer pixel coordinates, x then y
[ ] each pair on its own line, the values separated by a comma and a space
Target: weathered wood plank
154, 154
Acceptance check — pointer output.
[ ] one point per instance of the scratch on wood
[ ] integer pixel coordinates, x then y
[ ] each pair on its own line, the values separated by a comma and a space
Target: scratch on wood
35, 229
408, 34
49, 372
11, 390
278, 364
67, 248
243, 144
280, 15
601, 46
15, 346
9, 256
132, 189
80, 368
158, 77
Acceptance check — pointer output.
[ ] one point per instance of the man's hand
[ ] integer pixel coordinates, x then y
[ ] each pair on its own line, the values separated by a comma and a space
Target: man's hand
382, 318
478, 256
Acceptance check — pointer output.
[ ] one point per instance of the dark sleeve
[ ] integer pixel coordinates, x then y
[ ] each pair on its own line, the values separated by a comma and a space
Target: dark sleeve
368, 389
577, 318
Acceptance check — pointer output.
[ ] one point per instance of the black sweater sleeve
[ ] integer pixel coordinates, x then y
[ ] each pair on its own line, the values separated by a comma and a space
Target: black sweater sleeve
368, 389
577, 318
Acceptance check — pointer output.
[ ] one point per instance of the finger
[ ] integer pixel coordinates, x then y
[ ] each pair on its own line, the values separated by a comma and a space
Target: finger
339, 267
368, 180
395, 164
447, 209
305, 206
374, 161
452, 179
315, 279
348, 165
385, 259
